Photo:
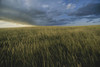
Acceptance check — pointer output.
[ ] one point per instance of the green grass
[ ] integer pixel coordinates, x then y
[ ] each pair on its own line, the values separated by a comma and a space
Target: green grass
77, 46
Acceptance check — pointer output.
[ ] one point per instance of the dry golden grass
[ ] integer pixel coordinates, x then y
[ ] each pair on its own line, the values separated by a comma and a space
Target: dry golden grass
77, 46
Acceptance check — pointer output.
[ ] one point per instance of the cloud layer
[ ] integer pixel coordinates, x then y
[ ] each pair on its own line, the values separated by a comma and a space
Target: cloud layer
50, 12
90, 9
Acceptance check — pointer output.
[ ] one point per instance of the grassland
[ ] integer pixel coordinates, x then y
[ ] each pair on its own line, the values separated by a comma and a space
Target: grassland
50, 47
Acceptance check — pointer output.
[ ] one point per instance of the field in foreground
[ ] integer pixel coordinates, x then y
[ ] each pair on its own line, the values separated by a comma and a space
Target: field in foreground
50, 47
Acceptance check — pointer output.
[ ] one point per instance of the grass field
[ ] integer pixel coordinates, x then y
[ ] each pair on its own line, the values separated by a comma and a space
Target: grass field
77, 46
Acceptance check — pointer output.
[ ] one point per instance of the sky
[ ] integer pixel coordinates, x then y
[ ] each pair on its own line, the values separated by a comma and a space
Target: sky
7, 24
51, 12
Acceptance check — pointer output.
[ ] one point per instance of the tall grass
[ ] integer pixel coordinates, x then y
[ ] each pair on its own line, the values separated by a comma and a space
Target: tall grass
50, 47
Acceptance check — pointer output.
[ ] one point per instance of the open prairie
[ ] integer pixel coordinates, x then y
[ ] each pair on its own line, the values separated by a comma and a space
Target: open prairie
50, 46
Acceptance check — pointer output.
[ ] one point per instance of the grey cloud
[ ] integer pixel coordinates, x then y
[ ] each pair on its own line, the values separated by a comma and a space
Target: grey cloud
13, 10
17, 15
33, 16
90, 9
32, 12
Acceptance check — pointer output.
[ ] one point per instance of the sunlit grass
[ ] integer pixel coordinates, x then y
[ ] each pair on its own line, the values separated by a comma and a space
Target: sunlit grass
77, 46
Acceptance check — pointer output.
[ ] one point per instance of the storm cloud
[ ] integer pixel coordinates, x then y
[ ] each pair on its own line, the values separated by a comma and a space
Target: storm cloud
49, 12
30, 11
90, 9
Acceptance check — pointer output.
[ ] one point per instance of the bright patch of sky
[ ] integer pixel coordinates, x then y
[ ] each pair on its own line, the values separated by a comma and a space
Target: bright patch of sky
70, 6
7, 24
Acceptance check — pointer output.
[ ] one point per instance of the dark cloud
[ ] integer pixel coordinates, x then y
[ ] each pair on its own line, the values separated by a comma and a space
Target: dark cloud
28, 16
31, 11
15, 15
90, 9
33, 16
49, 12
